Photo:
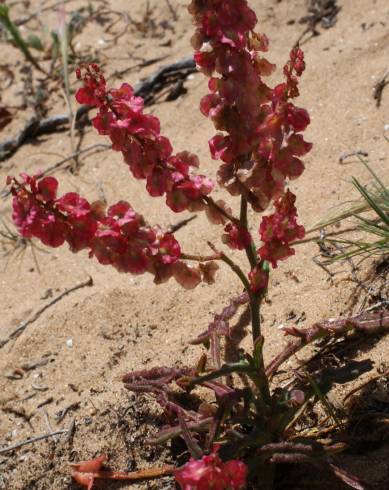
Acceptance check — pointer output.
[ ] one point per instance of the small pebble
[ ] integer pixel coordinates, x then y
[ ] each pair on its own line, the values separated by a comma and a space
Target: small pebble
69, 343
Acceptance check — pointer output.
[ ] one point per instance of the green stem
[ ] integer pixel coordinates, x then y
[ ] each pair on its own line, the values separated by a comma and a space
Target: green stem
18, 40
250, 250
234, 267
200, 258
238, 271
255, 304
220, 256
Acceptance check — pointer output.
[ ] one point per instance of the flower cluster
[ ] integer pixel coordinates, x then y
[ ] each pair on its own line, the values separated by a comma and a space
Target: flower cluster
259, 139
236, 236
259, 279
278, 230
210, 472
148, 154
118, 237
262, 145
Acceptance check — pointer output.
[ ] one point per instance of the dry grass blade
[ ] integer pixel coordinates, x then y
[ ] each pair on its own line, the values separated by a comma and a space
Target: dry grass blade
371, 215
31, 441
14, 246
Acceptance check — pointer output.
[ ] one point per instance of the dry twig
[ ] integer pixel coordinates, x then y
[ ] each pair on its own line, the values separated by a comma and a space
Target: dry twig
32, 440
370, 323
147, 89
379, 88
361, 153
322, 12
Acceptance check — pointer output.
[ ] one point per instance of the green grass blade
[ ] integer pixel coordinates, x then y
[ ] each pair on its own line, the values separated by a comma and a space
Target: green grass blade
17, 38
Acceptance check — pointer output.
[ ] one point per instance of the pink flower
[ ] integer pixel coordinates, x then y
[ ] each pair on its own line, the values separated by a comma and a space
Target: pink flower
169, 249
259, 279
119, 238
211, 473
33, 213
280, 229
227, 21
137, 135
93, 92
257, 125
236, 237
73, 205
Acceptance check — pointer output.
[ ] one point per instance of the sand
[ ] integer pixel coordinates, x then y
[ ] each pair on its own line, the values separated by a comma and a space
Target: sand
95, 334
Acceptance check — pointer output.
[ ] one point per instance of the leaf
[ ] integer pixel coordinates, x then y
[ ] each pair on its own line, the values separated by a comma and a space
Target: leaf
236, 367
373, 204
35, 42
375, 198
172, 432
17, 38
193, 447
86, 472
323, 398
3, 11
258, 351
350, 480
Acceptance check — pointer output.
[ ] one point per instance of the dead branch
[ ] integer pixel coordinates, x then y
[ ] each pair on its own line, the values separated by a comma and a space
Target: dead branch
32, 440
180, 224
322, 12
379, 88
34, 128
369, 323
147, 88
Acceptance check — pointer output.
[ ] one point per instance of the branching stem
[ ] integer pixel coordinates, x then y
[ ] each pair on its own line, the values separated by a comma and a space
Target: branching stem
222, 211
255, 301
234, 267
200, 258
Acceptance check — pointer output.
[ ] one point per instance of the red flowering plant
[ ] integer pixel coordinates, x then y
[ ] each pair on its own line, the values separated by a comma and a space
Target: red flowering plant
236, 435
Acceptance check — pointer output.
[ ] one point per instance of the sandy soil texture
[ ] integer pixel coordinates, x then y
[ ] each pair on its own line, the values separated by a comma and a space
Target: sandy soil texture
93, 335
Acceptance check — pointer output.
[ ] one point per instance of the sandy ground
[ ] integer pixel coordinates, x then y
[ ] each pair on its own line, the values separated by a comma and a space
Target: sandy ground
96, 334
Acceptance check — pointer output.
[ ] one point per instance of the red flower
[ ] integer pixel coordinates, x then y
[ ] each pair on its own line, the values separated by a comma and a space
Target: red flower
236, 237
259, 124
259, 279
211, 473
137, 136
120, 237
73, 205
280, 229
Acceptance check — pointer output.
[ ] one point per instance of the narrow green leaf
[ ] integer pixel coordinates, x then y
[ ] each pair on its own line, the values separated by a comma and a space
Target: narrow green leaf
226, 369
35, 42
